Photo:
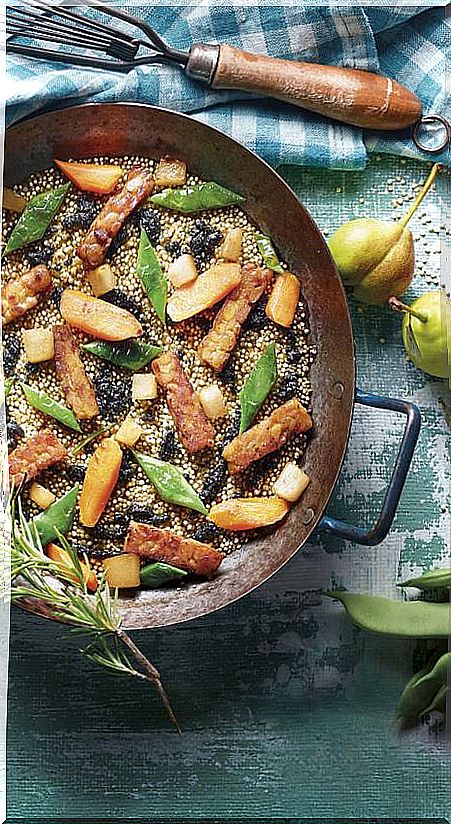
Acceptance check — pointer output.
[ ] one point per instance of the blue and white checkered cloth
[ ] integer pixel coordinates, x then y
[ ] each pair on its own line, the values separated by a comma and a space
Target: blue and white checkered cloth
411, 44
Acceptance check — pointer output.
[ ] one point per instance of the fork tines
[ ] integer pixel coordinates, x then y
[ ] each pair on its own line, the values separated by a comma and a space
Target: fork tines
62, 26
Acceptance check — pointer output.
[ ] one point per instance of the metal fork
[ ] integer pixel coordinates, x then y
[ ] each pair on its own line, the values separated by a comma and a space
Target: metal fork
43, 21
350, 95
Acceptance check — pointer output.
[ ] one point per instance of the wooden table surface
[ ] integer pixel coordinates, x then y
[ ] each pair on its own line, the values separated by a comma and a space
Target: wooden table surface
287, 709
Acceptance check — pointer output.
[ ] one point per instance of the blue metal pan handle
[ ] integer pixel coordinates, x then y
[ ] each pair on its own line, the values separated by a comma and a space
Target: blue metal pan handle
374, 536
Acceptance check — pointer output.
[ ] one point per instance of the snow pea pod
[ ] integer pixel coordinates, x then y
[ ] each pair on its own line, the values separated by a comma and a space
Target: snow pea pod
432, 579
420, 692
170, 483
196, 198
43, 403
57, 518
411, 619
151, 276
36, 217
268, 252
154, 575
131, 354
258, 386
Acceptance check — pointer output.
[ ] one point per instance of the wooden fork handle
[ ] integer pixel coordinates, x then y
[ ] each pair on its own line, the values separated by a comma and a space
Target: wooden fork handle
351, 95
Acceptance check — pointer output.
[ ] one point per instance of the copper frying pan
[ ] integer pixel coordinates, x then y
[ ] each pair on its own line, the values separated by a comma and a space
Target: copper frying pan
123, 129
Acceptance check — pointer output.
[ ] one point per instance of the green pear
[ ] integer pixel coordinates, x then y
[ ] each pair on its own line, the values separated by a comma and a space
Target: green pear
376, 258
426, 332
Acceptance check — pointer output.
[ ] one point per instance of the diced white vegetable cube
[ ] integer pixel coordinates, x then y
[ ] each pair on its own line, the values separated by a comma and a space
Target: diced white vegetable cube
144, 387
129, 432
291, 483
182, 271
212, 401
38, 344
231, 246
102, 279
41, 496
170, 172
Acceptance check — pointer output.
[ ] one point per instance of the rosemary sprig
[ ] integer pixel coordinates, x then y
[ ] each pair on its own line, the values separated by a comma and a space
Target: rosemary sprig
63, 588
89, 438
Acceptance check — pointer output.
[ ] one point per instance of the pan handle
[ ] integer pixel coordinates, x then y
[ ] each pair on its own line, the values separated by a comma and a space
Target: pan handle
377, 534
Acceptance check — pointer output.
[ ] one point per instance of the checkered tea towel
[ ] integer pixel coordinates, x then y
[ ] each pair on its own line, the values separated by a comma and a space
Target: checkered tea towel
409, 43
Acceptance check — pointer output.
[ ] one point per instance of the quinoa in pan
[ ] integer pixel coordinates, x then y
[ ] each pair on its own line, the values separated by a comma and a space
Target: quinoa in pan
186, 404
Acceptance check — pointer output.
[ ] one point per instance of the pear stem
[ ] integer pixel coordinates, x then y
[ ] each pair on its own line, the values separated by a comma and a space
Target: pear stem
399, 306
433, 174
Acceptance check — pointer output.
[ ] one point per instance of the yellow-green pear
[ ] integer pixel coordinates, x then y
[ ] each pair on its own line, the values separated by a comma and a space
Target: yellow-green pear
426, 332
376, 258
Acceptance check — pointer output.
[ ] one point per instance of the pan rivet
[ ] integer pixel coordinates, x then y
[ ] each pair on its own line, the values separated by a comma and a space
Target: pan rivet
308, 516
337, 390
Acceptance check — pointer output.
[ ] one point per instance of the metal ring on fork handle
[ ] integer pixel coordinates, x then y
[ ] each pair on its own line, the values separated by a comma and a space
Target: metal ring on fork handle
428, 120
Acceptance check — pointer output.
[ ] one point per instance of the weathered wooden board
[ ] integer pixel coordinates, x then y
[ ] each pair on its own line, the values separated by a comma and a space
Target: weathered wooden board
287, 709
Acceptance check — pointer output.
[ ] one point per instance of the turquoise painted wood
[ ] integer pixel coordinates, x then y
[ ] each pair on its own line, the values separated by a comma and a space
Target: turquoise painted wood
287, 709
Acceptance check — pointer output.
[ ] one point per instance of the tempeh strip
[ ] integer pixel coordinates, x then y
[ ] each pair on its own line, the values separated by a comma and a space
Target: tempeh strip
169, 548
195, 430
217, 346
22, 293
117, 209
77, 387
267, 436
34, 455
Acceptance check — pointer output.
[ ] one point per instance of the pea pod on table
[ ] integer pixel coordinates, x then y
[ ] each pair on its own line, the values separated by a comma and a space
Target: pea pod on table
151, 276
196, 198
438, 703
422, 689
432, 579
407, 619
57, 518
35, 219
170, 483
130, 354
268, 253
258, 386
154, 575
43, 403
